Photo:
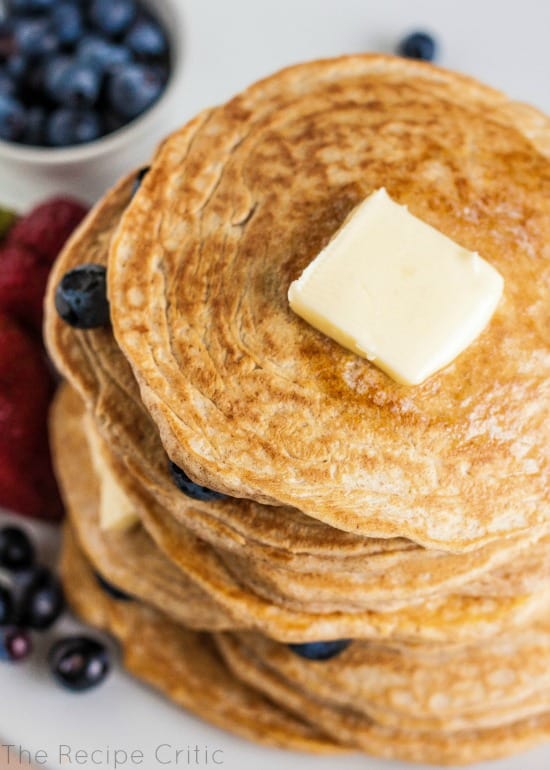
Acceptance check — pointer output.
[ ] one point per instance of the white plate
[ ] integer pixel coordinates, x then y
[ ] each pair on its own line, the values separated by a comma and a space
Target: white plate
229, 44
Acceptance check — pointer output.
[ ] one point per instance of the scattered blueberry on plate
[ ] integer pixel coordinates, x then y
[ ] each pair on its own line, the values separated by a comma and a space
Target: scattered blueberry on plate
418, 45
16, 549
15, 645
6, 606
32, 600
79, 662
71, 72
41, 599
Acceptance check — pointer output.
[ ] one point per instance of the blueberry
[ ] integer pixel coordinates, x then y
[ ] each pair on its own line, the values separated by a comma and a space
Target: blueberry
67, 23
112, 590
16, 550
188, 487
7, 85
79, 662
35, 37
418, 45
6, 606
41, 599
146, 39
30, 6
12, 118
54, 71
35, 129
134, 88
112, 17
31, 85
8, 45
68, 126
15, 645
111, 121
140, 176
73, 84
320, 650
81, 297
97, 52
17, 66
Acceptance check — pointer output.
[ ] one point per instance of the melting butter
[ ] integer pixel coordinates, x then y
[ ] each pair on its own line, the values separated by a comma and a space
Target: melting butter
396, 291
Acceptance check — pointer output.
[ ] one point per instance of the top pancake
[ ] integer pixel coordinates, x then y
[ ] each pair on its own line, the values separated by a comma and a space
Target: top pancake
288, 557
252, 401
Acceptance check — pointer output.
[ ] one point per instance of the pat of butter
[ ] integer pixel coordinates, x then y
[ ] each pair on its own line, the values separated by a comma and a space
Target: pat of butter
395, 290
116, 511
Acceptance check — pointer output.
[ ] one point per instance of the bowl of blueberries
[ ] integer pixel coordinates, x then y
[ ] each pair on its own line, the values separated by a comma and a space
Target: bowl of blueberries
80, 79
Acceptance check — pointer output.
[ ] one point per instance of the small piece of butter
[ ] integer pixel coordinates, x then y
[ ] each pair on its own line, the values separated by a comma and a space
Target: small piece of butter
397, 291
116, 510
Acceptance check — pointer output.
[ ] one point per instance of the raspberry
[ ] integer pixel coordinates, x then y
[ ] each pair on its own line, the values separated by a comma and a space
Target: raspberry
46, 228
26, 387
28, 486
23, 278
27, 483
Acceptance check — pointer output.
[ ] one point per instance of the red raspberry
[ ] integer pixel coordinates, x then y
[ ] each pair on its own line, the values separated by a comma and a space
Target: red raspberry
23, 278
46, 228
29, 487
26, 387
27, 483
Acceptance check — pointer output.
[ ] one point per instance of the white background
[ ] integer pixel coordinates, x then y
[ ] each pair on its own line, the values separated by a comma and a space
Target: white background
228, 44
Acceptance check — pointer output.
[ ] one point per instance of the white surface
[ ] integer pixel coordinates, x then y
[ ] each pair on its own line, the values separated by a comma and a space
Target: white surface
229, 44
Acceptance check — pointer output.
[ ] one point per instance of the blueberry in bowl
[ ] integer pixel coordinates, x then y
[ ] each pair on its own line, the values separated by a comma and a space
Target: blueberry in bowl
77, 73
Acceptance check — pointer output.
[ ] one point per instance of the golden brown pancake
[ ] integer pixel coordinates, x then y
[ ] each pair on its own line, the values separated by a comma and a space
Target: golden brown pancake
250, 399
96, 368
132, 561
183, 664
284, 555
227, 689
484, 685
413, 521
128, 559
351, 727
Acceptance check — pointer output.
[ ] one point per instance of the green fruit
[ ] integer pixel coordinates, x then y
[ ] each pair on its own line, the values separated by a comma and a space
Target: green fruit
7, 219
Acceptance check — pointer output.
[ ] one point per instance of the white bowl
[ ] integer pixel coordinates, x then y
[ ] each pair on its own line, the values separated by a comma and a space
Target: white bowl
87, 169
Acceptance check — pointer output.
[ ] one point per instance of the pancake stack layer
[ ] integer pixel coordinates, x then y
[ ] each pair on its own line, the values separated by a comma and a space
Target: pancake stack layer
412, 521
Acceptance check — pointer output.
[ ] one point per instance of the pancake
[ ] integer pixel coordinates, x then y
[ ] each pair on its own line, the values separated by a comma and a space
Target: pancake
127, 559
345, 724
253, 402
184, 665
529, 572
130, 559
96, 368
485, 685
335, 570
412, 521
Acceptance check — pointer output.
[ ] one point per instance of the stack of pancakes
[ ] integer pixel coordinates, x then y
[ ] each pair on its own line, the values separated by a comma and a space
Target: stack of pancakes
413, 521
